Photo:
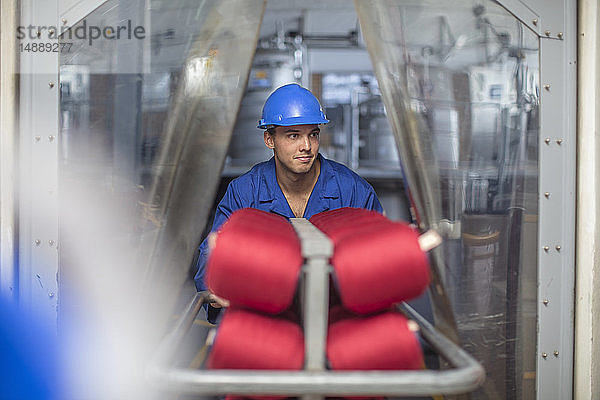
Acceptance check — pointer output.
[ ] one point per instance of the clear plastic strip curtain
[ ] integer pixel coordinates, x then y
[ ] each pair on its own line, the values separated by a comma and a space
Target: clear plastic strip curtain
460, 86
198, 131
146, 121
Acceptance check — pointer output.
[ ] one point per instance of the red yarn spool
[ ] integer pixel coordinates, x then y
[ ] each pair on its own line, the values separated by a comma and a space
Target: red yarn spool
256, 261
249, 340
378, 342
377, 262
330, 222
231, 397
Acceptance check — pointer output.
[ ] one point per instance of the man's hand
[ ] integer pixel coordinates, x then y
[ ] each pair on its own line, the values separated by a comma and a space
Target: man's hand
217, 302
212, 240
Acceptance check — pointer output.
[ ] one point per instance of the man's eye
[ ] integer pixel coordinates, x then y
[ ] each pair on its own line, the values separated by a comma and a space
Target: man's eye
292, 135
315, 134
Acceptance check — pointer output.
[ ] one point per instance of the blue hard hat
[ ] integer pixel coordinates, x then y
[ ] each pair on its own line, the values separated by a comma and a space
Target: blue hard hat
291, 105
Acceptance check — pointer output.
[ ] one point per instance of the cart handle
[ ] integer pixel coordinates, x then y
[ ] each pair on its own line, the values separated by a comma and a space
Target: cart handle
465, 376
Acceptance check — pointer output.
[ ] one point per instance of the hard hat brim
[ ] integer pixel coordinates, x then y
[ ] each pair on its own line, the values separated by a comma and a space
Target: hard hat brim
292, 121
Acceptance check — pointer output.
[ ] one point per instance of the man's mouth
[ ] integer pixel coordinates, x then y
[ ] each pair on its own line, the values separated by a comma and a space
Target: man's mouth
303, 158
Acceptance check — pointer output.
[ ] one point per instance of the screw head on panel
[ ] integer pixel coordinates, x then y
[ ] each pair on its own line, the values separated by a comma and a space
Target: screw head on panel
547, 141
37, 242
51, 138
545, 302
534, 21
559, 141
559, 35
555, 353
547, 86
51, 294
558, 247
51, 84
50, 243
64, 21
547, 33
547, 195
546, 248
544, 355
37, 139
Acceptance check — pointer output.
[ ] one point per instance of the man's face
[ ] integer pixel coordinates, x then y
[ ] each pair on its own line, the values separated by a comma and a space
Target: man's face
295, 147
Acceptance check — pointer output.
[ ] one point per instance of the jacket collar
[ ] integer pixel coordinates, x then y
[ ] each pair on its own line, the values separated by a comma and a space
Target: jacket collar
326, 187
269, 187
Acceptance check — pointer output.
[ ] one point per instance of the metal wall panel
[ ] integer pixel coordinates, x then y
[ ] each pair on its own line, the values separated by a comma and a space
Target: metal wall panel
523, 13
557, 224
38, 214
546, 17
72, 11
556, 269
553, 16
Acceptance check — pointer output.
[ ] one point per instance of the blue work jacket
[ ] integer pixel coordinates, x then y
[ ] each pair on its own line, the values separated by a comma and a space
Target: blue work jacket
336, 187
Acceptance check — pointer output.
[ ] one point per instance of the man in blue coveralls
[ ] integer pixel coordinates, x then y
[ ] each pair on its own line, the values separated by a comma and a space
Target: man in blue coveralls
297, 181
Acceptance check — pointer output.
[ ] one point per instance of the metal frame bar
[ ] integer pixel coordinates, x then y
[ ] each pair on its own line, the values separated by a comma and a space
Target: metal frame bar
465, 376
317, 249
9, 139
38, 224
556, 229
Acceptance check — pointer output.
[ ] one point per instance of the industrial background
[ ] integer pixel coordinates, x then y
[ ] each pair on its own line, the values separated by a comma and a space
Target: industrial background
114, 152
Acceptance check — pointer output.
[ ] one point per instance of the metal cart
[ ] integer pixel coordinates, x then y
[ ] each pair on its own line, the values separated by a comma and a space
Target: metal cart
315, 381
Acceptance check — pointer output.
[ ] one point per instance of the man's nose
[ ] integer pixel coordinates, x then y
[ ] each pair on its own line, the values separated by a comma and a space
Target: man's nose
306, 144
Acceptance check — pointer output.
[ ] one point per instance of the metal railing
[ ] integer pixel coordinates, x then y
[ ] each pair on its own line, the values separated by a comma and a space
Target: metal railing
314, 381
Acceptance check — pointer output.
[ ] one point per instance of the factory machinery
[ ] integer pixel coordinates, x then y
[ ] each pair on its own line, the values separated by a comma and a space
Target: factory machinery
461, 115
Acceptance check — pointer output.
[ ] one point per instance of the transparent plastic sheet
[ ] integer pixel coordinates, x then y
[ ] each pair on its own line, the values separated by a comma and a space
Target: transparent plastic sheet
197, 135
462, 100
145, 127
384, 38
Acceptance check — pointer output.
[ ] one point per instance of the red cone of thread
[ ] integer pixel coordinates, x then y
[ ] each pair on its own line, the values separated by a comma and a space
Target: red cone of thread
377, 262
250, 340
256, 261
378, 342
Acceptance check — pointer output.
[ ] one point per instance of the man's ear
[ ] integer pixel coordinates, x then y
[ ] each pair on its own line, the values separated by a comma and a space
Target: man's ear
269, 140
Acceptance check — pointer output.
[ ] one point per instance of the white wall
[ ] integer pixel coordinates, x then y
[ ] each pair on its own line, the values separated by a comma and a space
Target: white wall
587, 305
